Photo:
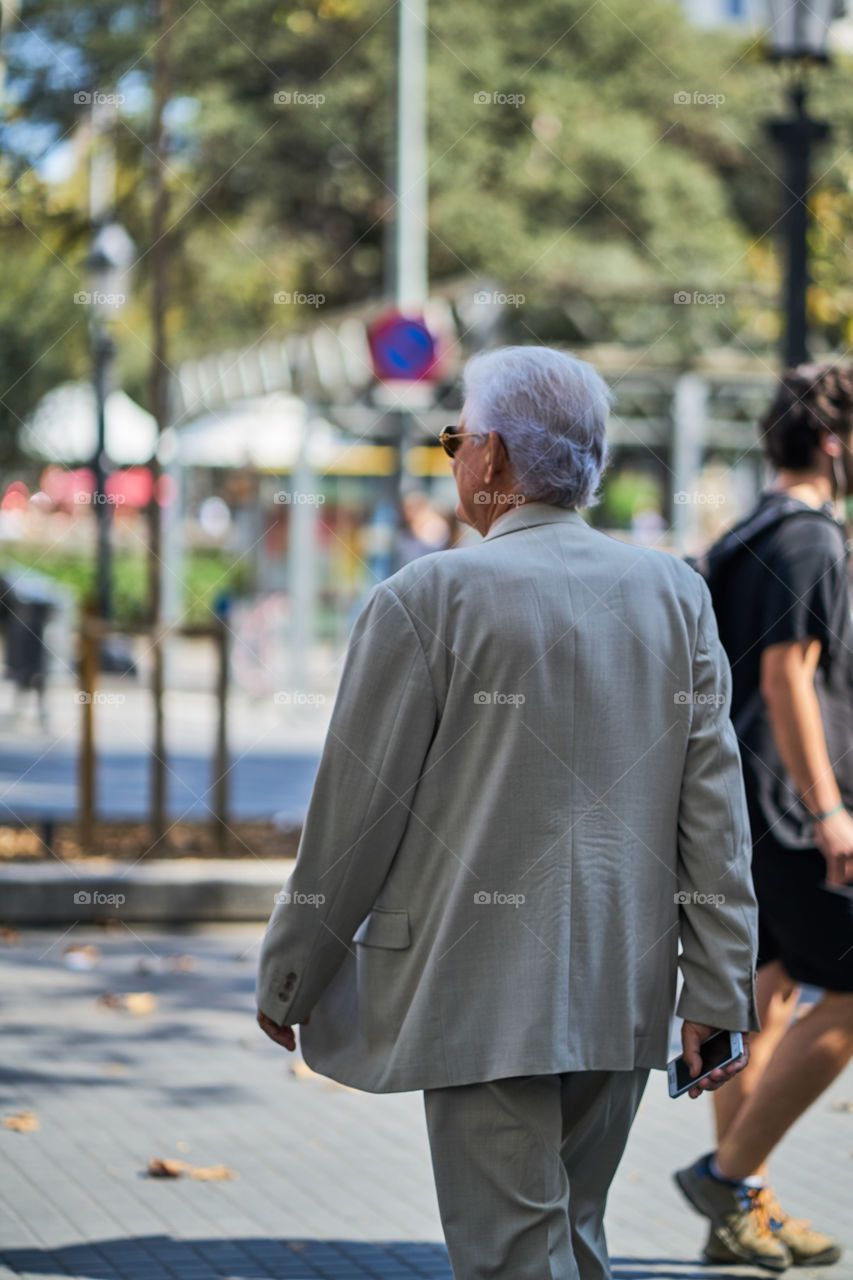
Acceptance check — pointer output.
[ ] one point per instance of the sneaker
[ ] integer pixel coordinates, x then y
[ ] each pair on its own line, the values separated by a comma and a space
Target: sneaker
807, 1245
738, 1214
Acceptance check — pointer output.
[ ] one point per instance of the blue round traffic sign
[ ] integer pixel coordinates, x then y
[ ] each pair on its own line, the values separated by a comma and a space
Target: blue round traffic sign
402, 348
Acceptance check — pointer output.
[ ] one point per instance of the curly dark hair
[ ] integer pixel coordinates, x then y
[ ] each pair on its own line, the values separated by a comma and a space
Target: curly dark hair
810, 398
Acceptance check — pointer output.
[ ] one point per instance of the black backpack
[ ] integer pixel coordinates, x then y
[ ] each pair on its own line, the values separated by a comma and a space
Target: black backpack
719, 554
747, 530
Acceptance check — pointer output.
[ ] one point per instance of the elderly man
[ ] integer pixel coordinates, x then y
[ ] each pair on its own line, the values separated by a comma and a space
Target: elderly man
530, 791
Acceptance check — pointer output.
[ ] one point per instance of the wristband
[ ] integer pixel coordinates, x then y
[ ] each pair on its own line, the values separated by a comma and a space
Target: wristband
828, 813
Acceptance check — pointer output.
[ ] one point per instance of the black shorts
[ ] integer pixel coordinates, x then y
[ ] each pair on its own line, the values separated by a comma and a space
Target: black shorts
800, 922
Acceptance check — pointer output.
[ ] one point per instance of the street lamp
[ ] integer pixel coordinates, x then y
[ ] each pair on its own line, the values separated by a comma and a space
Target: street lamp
799, 35
801, 29
108, 269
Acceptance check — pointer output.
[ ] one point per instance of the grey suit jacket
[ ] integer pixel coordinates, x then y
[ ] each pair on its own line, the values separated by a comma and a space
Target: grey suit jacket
529, 793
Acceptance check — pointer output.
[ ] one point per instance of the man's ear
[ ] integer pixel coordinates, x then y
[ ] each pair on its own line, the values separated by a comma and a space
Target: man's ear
831, 443
491, 456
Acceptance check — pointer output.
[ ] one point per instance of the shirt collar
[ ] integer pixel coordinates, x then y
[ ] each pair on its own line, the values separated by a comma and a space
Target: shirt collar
529, 514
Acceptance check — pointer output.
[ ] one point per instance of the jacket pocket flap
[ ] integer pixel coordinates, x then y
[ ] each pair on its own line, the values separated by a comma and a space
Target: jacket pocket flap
383, 927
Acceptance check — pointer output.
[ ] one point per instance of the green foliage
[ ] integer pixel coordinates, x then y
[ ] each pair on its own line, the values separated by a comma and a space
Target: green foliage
586, 177
206, 576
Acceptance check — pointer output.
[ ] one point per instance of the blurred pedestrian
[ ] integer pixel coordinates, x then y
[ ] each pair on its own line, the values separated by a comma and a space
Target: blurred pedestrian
530, 790
780, 586
424, 529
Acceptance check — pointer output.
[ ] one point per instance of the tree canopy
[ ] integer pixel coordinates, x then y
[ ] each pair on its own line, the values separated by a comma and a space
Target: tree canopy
576, 151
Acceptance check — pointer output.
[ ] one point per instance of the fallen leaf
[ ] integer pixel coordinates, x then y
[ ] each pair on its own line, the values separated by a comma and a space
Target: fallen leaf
842, 1106
135, 1002
158, 1168
22, 1121
10, 936
81, 956
214, 1173
181, 964
165, 1168
140, 1002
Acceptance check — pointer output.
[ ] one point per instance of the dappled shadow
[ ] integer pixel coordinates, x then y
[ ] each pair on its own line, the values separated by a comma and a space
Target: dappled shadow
681, 1269
162, 1257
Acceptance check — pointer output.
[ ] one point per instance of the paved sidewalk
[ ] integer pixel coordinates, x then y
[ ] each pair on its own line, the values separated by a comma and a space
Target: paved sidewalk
331, 1183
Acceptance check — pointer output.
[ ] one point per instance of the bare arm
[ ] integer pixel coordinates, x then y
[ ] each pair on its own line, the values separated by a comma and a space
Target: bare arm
787, 687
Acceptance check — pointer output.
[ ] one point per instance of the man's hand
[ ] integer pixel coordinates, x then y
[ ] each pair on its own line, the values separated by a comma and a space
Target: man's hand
834, 838
692, 1035
283, 1034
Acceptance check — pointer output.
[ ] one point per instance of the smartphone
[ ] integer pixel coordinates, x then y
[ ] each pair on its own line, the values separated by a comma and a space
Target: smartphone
717, 1051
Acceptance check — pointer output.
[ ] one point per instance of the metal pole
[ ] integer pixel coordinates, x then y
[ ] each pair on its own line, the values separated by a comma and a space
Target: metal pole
159, 404
220, 782
102, 352
411, 227
88, 681
796, 136
689, 421
411, 274
302, 562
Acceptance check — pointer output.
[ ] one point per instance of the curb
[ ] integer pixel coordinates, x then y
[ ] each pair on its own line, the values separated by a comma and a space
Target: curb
181, 890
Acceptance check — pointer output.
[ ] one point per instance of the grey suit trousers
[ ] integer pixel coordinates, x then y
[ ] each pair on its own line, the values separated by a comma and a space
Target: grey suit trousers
522, 1169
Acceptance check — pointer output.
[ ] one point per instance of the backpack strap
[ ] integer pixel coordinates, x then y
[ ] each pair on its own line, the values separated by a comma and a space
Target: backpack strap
750, 528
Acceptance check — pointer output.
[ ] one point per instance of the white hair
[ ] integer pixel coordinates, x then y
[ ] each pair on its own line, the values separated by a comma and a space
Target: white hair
550, 409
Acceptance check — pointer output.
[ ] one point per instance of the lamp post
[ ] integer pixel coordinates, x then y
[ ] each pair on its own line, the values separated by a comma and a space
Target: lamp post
108, 268
799, 36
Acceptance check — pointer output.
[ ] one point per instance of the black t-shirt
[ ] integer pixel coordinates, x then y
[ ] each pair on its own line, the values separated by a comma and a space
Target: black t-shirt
788, 582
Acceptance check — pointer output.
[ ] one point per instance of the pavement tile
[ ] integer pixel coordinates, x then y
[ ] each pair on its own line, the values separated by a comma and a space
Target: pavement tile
330, 1183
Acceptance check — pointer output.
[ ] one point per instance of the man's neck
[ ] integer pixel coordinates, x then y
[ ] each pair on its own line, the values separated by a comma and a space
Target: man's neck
813, 488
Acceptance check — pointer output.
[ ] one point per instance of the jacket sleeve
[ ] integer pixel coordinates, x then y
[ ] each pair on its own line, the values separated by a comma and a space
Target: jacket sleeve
718, 915
382, 723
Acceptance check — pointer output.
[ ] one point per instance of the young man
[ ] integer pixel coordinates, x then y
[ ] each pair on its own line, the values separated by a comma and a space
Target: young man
779, 582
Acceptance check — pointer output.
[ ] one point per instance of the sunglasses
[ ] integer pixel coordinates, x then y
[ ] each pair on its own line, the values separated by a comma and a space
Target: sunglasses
451, 438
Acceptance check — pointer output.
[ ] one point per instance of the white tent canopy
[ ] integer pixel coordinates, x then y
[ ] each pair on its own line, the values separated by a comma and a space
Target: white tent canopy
63, 427
266, 433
